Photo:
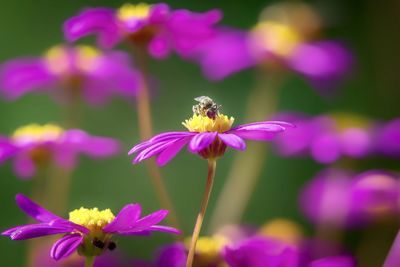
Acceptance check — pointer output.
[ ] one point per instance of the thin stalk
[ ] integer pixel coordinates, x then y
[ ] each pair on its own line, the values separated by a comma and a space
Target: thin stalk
247, 166
212, 164
89, 261
146, 132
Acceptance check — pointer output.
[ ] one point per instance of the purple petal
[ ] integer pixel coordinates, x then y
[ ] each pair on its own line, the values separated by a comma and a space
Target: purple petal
233, 141
170, 152
21, 76
393, 257
165, 229
34, 210
66, 246
153, 150
146, 222
126, 218
254, 135
202, 141
7, 149
99, 21
37, 230
24, 167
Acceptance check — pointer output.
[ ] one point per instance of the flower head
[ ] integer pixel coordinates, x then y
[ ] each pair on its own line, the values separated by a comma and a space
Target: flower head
156, 27
68, 71
35, 146
327, 138
88, 231
209, 135
341, 198
283, 39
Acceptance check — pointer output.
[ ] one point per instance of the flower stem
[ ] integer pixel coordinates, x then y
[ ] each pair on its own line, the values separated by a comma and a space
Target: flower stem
212, 164
146, 132
89, 262
261, 104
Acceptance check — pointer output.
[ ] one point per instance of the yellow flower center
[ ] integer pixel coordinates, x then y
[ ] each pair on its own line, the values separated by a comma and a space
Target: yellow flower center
282, 229
347, 120
198, 123
93, 219
60, 59
208, 248
277, 37
129, 11
37, 133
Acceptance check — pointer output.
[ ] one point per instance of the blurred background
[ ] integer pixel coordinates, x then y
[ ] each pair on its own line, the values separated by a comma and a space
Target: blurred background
369, 28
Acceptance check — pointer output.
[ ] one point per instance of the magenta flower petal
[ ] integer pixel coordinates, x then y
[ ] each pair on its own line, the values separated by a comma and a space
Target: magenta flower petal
335, 261
24, 167
155, 149
66, 246
100, 21
7, 149
165, 229
233, 141
34, 210
21, 76
125, 219
201, 141
37, 230
393, 257
144, 223
170, 152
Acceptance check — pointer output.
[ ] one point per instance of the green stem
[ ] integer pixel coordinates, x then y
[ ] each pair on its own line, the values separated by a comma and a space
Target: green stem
89, 261
146, 132
212, 164
247, 166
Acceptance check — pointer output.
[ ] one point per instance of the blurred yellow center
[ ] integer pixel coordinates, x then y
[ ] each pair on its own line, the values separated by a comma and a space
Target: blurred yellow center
208, 248
277, 37
348, 120
61, 59
282, 229
198, 123
93, 219
129, 11
37, 133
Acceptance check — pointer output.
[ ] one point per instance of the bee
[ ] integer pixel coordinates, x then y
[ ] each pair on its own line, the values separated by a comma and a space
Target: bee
206, 107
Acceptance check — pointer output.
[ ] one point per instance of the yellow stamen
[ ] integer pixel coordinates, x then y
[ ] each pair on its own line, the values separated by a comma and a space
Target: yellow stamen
277, 37
208, 248
57, 59
282, 229
198, 123
129, 11
37, 133
87, 57
93, 219
348, 120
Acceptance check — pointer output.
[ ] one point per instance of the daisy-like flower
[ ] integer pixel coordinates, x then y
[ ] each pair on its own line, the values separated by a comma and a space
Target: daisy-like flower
207, 135
284, 37
34, 146
328, 138
154, 27
71, 71
88, 231
210, 133
336, 197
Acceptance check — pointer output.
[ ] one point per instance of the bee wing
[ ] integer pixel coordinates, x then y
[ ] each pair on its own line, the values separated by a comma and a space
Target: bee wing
200, 98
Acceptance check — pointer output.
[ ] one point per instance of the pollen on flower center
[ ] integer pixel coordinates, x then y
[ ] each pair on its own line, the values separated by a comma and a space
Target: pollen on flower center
130, 11
199, 123
279, 38
93, 219
208, 248
37, 133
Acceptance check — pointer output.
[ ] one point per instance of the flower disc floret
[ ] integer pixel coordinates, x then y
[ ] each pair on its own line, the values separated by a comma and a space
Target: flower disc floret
131, 11
92, 219
198, 123
37, 133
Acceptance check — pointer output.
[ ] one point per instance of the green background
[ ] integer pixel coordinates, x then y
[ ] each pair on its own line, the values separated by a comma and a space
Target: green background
370, 28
